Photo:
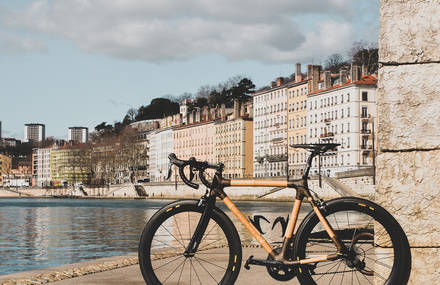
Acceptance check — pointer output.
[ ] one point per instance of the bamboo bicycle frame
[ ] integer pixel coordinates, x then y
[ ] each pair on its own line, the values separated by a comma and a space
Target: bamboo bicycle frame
302, 192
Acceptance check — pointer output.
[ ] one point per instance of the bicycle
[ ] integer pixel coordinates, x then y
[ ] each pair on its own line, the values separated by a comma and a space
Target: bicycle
349, 239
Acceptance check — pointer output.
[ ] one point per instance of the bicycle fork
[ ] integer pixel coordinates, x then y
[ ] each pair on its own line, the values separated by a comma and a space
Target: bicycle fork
208, 202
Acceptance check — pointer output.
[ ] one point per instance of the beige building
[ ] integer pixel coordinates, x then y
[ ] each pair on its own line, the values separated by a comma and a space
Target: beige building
5, 167
195, 140
233, 145
296, 122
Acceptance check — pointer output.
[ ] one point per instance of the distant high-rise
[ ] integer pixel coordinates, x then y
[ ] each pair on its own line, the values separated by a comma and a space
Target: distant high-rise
78, 134
34, 132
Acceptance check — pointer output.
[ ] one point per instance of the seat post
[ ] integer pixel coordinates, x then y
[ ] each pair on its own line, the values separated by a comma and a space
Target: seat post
309, 164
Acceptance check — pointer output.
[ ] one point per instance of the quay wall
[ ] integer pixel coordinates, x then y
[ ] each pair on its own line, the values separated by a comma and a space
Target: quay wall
362, 186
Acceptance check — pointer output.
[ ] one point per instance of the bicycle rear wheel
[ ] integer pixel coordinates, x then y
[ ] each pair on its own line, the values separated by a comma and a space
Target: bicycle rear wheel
378, 249
166, 236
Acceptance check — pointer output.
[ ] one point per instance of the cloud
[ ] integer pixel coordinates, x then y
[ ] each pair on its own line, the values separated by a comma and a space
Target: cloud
167, 30
13, 44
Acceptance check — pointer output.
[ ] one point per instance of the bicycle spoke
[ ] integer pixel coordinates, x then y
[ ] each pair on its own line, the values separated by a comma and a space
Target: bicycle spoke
167, 263
177, 225
180, 275
206, 271
173, 271
173, 236
198, 258
197, 275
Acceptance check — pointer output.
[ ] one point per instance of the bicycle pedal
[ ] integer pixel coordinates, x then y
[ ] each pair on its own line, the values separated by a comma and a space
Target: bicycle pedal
248, 261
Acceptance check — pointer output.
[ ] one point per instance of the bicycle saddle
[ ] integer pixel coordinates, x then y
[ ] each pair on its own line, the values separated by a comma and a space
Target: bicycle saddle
317, 147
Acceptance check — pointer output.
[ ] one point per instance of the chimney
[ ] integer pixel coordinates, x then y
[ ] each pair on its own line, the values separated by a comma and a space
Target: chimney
223, 112
343, 76
198, 116
242, 109
364, 70
205, 115
298, 75
280, 81
354, 73
272, 84
316, 70
309, 71
236, 109
327, 79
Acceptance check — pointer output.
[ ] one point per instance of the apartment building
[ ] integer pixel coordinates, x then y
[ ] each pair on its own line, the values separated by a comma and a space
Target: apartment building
161, 145
297, 122
233, 142
70, 164
270, 130
34, 132
195, 140
41, 166
78, 134
5, 167
343, 113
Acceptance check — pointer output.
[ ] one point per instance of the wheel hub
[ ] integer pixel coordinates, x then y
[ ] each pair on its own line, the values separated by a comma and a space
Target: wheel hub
355, 258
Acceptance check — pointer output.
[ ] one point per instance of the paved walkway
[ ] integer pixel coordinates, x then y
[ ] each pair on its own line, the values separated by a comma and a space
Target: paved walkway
124, 270
131, 274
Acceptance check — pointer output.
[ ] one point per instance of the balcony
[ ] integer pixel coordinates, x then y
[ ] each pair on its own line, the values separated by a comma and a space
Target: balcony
277, 139
365, 116
366, 147
327, 120
276, 158
327, 135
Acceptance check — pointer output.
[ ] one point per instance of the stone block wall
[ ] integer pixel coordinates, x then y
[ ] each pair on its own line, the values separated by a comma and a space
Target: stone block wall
408, 163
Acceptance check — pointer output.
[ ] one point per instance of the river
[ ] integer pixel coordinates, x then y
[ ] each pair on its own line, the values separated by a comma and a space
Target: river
40, 233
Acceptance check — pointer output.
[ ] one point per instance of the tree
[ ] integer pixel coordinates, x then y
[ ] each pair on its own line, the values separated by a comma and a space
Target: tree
364, 53
334, 63
243, 90
158, 108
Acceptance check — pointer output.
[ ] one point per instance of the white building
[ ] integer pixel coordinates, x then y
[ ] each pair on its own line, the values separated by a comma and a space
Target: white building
34, 133
270, 130
78, 134
184, 110
161, 145
41, 166
343, 114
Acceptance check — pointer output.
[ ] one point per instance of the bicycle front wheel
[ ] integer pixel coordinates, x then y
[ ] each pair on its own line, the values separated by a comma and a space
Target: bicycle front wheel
166, 237
377, 248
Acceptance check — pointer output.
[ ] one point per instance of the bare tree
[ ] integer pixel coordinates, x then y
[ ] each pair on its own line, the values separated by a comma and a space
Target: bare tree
365, 53
334, 63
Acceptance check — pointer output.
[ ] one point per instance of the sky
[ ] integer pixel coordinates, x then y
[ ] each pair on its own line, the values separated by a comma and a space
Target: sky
67, 63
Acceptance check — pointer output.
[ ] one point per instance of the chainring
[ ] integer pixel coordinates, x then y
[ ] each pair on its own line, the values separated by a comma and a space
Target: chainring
280, 273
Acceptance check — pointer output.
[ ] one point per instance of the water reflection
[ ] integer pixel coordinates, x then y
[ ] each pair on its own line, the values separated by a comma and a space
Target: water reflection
40, 233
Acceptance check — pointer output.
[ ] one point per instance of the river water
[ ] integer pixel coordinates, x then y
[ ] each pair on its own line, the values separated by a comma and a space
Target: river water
41, 233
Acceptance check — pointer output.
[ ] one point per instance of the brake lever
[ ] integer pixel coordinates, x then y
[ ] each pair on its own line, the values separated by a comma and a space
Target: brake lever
170, 170
191, 173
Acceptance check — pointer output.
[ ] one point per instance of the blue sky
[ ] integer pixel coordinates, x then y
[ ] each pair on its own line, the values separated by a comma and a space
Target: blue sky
70, 63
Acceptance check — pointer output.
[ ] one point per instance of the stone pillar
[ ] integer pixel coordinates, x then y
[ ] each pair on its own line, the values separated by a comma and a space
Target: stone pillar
408, 102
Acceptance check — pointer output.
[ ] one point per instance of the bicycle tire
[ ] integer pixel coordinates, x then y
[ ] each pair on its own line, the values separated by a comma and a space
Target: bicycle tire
166, 235
391, 253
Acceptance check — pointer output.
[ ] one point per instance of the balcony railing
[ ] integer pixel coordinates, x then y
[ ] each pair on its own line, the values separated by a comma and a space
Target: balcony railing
366, 147
276, 158
327, 120
365, 132
365, 116
326, 135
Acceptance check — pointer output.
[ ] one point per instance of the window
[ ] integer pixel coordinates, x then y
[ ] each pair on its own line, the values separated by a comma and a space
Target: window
364, 96
364, 112
348, 97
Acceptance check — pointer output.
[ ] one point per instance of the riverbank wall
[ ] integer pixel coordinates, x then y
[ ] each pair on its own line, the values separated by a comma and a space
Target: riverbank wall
361, 183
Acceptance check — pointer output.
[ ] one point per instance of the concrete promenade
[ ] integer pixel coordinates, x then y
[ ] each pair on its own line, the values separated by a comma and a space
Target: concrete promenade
123, 275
